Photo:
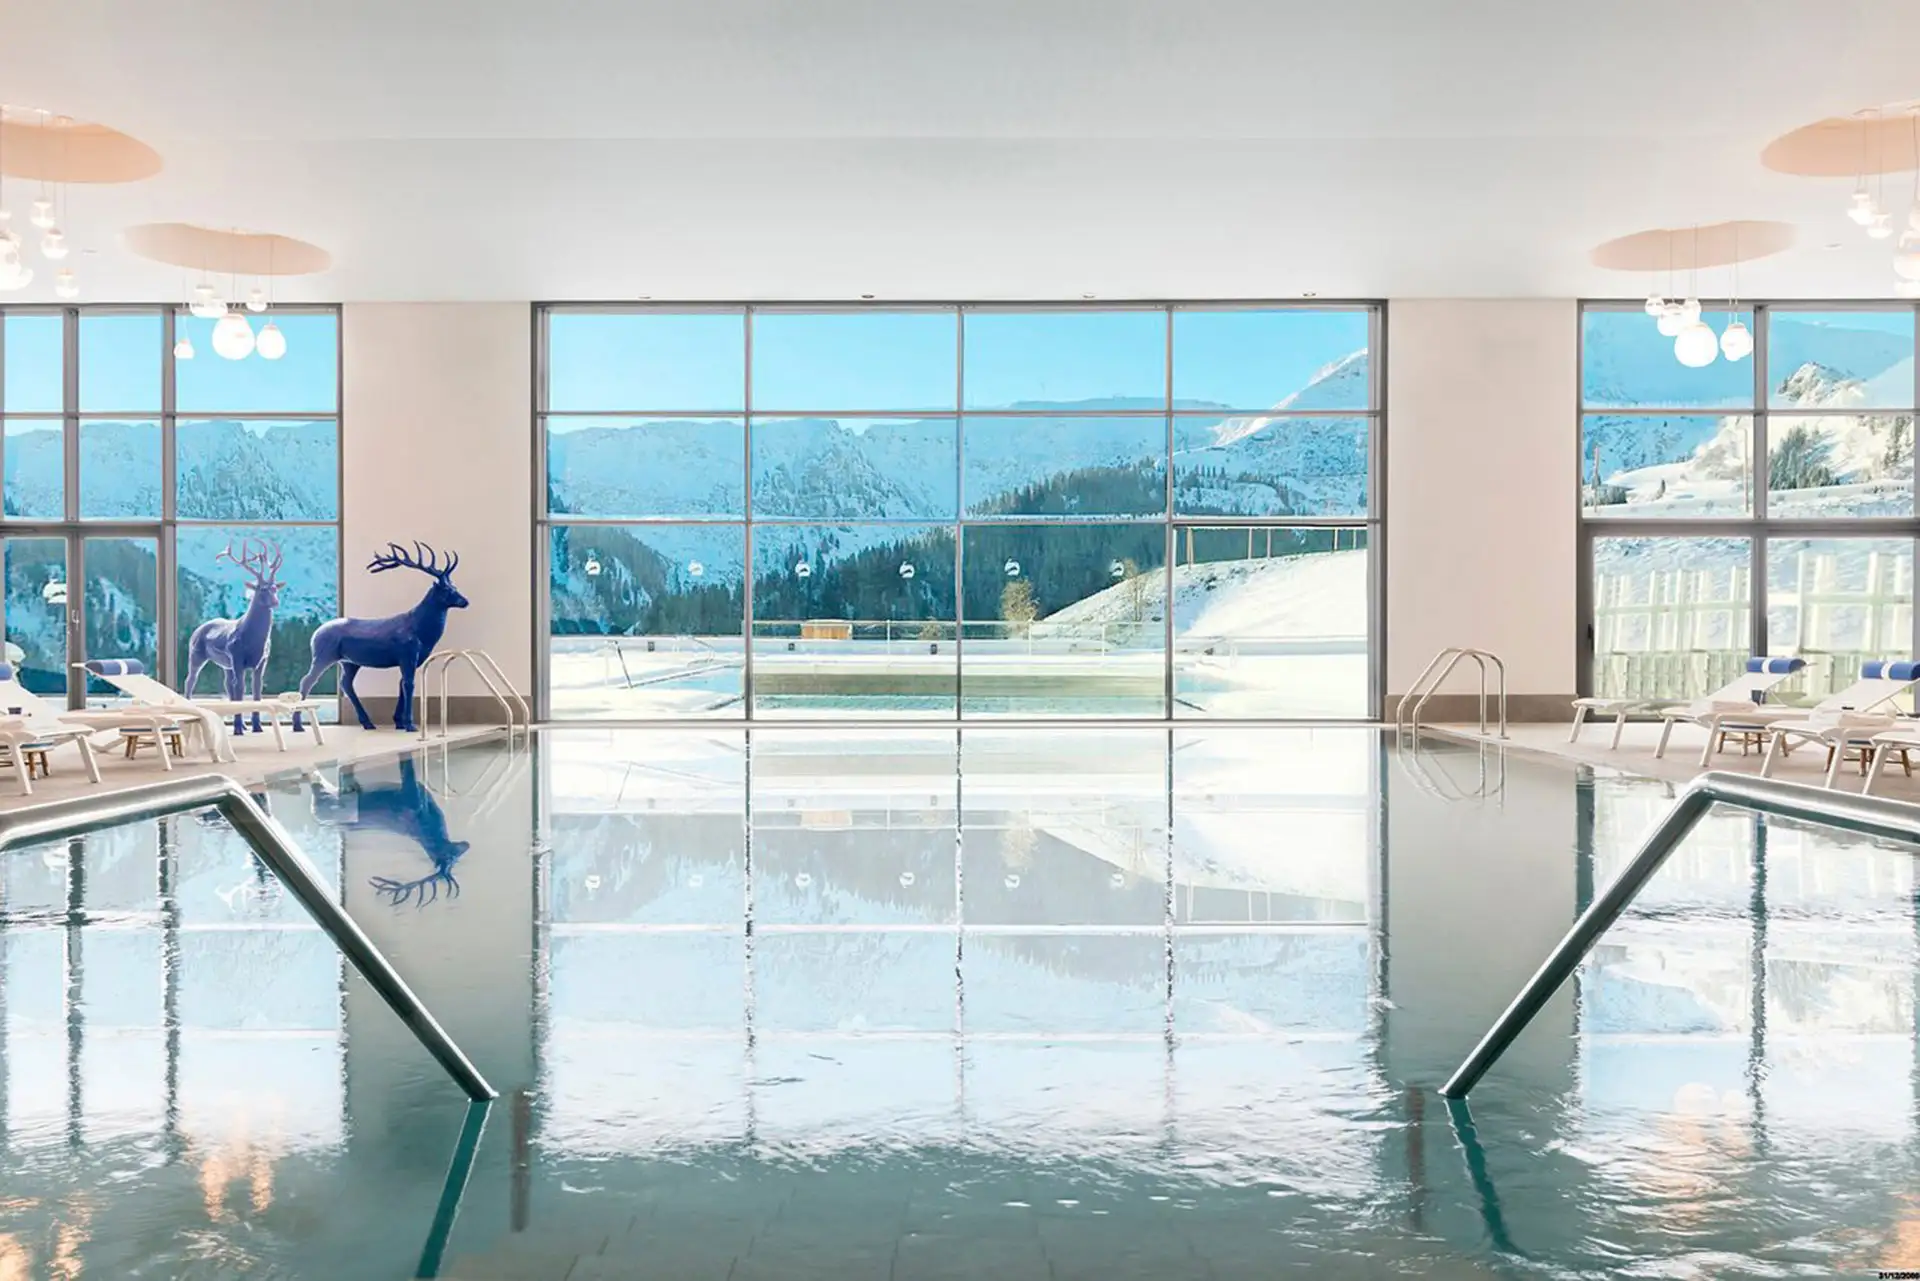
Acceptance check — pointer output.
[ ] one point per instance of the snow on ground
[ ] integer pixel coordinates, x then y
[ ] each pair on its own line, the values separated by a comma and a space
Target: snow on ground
1291, 597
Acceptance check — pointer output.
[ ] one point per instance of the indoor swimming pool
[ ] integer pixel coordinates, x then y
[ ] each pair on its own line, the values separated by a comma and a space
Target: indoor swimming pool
935, 1003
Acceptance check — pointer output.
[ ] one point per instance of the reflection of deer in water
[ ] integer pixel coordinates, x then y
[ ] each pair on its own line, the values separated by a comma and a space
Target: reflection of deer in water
406, 808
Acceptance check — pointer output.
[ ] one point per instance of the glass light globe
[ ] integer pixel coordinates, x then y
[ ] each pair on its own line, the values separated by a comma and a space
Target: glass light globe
1882, 227
64, 285
233, 337
270, 342
1860, 208
1907, 288
42, 215
53, 245
1673, 318
1691, 310
256, 299
1906, 262
1697, 346
15, 275
183, 350
1737, 342
1655, 305
206, 303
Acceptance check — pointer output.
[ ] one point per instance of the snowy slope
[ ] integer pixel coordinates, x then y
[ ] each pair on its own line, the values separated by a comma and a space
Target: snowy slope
1322, 595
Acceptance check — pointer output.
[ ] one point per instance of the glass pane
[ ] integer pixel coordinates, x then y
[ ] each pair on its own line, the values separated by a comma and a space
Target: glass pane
122, 606
647, 620
1627, 363
1838, 603
1291, 359
36, 364
1671, 616
1639, 466
646, 467
35, 466
886, 361
1853, 465
120, 470
854, 468
233, 469
1066, 359
853, 618
1270, 622
120, 362
623, 362
1840, 359
304, 381
1065, 466
1064, 620
210, 588
1248, 466
37, 615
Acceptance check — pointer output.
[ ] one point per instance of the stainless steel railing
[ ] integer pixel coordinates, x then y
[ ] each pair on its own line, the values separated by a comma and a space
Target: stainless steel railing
1871, 815
1406, 716
513, 706
277, 850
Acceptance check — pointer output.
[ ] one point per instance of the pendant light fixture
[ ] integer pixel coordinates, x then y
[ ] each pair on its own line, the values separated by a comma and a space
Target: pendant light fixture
1736, 341
1696, 345
14, 272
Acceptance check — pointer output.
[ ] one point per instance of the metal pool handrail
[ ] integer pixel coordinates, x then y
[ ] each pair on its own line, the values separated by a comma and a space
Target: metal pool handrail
277, 850
490, 675
1870, 815
1406, 716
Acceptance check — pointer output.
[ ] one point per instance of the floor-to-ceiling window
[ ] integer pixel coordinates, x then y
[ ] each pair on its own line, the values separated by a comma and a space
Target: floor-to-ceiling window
1761, 506
1052, 511
145, 491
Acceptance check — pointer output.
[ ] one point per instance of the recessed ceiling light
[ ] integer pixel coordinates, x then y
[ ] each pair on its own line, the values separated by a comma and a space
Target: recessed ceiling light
1310, 294
1086, 295
643, 297
868, 297
1832, 244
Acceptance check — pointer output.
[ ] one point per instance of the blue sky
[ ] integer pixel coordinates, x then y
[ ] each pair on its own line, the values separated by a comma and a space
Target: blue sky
905, 362
121, 358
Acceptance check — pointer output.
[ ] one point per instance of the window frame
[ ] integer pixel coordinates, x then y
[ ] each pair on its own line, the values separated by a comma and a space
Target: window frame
75, 529
1372, 523
1758, 525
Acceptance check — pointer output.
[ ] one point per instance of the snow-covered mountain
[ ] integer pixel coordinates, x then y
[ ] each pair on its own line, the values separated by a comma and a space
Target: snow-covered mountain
832, 470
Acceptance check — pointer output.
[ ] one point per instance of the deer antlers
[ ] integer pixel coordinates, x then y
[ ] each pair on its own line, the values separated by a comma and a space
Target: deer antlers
424, 559
254, 558
421, 892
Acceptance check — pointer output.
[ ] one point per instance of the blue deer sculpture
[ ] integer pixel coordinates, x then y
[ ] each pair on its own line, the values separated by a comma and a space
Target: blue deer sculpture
406, 809
239, 646
400, 640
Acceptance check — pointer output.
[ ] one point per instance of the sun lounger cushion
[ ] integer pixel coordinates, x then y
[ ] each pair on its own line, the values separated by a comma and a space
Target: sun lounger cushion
116, 667
1775, 666
1890, 669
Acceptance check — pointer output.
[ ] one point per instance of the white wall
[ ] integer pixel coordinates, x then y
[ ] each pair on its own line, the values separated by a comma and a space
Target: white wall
437, 445
1481, 458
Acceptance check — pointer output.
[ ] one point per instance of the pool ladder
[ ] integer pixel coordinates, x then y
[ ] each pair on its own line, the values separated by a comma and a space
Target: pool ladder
33, 824
513, 707
1874, 816
1406, 716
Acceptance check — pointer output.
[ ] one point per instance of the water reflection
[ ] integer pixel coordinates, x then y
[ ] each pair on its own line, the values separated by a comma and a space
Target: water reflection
1071, 999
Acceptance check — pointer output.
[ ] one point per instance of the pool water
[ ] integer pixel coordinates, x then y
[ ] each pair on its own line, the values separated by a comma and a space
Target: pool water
981, 1003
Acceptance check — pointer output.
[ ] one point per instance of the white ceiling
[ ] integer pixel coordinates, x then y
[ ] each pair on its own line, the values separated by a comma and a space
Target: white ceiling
574, 149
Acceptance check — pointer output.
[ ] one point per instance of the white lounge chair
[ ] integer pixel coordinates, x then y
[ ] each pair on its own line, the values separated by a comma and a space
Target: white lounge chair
129, 677
1735, 707
31, 727
1618, 708
155, 700
1846, 720
1903, 740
